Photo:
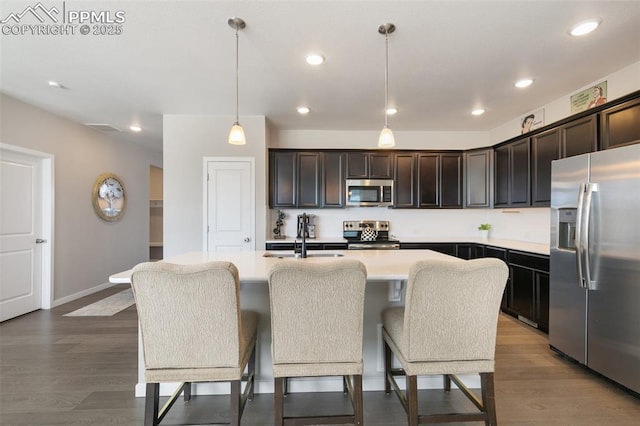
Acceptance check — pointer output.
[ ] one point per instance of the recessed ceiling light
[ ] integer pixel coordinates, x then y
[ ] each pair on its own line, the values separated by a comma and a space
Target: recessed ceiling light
135, 128
315, 59
525, 82
392, 111
585, 27
478, 111
303, 110
54, 84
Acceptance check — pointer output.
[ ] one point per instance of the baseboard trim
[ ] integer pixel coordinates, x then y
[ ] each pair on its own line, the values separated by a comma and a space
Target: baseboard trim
80, 294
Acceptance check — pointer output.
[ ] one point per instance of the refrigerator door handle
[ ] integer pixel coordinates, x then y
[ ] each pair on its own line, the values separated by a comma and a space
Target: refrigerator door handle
579, 241
590, 189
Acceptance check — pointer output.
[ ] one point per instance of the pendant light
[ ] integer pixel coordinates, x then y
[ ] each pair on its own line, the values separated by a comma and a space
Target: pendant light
386, 139
236, 135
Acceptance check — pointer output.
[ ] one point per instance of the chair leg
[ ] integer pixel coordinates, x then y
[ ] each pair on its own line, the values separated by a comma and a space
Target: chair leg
387, 367
278, 400
446, 383
151, 402
235, 403
412, 400
252, 371
358, 410
187, 391
285, 386
488, 398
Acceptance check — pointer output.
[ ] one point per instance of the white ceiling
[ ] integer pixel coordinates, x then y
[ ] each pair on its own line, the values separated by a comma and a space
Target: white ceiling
445, 58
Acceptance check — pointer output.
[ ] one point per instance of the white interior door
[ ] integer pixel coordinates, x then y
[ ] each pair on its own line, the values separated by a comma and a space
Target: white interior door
20, 234
229, 207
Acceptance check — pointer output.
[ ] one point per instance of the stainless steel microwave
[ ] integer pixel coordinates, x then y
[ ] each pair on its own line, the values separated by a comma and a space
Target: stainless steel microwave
369, 193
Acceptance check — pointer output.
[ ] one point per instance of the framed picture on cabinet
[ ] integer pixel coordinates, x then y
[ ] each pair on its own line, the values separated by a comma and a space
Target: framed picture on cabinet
532, 121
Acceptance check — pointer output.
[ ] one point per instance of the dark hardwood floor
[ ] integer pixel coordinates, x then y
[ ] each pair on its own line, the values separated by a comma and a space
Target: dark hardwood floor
57, 370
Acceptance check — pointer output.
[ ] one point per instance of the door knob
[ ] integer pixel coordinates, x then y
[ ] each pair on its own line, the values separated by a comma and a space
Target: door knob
247, 239
40, 241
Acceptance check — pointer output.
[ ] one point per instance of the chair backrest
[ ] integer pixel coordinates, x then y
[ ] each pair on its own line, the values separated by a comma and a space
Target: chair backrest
189, 314
317, 311
451, 309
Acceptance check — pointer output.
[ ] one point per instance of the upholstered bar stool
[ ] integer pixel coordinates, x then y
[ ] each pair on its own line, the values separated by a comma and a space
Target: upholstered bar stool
193, 330
448, 326
316, 327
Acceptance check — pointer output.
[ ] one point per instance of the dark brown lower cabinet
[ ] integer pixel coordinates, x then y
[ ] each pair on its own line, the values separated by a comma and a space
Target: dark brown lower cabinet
529, 288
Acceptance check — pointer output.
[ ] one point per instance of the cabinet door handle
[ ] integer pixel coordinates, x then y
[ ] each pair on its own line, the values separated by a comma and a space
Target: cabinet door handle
40, 241
247, 239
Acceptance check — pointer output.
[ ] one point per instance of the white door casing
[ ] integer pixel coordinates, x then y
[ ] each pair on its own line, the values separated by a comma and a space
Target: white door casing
229, 204
26, 203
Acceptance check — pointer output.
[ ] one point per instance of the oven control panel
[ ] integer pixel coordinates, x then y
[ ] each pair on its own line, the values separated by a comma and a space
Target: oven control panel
359, 225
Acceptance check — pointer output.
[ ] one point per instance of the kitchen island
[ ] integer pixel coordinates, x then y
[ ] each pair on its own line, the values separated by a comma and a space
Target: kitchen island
387, 272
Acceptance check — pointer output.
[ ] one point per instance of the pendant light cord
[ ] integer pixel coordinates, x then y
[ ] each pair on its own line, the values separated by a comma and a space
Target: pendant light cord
386, 77
237, 78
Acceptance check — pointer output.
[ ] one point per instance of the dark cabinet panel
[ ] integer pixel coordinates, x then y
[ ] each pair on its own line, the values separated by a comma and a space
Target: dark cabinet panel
542, 299
310, 246
580, 136
381, 166
333, 180
470, 251
357, 165
308, 179
545, 148
502, 176
522, 291
369, 165
512, 174
478, 166
520, 173
446, 248
428, 180
439, 180
529, 288
283, 177
451, 178
620, 125
405, 181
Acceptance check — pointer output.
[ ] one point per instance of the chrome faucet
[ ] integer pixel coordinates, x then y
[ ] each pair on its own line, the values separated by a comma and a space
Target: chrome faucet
303, 244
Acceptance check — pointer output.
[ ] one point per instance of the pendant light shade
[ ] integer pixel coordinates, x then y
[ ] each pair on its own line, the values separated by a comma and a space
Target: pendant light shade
386, 139
236, 135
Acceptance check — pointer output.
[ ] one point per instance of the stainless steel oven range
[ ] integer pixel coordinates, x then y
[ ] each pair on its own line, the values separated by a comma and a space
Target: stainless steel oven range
368, 235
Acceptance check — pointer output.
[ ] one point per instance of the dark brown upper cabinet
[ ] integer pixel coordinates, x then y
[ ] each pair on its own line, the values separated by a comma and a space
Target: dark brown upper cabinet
580, 136
309, 164
513, 174
283, 174
306, 179
369, 165
405, 180
333, 180
545, 147
620, 125
440, 180
478, 166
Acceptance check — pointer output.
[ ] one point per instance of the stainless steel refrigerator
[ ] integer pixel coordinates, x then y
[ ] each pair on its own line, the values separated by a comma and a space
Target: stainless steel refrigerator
594, 297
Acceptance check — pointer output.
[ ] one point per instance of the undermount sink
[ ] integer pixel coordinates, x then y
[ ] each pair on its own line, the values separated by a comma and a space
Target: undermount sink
297, 255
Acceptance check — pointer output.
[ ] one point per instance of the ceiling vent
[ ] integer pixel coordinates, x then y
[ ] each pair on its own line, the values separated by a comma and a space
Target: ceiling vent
102, 127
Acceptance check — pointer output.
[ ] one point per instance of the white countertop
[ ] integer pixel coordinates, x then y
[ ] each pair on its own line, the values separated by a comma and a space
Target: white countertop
382, 265
508, 244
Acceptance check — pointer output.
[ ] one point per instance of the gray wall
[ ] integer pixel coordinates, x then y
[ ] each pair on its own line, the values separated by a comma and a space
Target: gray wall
187, 139
86, 249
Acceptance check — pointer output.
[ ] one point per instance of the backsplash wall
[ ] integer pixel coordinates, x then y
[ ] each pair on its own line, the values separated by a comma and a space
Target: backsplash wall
530, 224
